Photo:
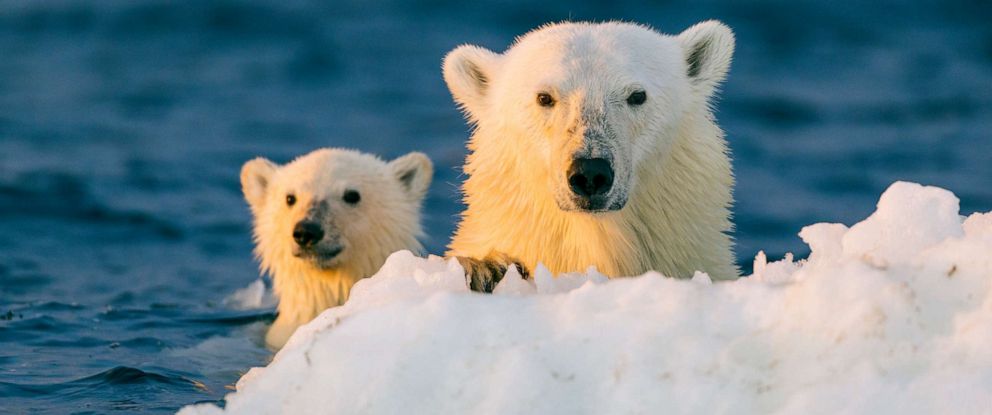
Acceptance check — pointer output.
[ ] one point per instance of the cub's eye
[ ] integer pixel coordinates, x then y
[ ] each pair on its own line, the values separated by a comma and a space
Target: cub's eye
637, 98
544, 99
351, 197
290, 200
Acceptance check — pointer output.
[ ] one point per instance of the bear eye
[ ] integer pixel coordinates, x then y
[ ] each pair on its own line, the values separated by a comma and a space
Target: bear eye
290, 200
351, 197
544, 99
637, 98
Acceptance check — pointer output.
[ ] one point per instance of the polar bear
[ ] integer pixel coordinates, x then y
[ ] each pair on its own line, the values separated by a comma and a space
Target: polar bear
595, 145
328, 219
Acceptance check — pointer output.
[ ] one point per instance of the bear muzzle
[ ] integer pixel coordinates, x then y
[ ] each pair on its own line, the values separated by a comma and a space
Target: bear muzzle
307, 233
591, 180
314, 244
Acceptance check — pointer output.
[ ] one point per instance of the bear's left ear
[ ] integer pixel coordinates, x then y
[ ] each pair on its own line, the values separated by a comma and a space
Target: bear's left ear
707, 48
414, 171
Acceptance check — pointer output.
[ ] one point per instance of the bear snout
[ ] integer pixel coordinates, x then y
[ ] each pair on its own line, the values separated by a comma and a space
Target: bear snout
307, 233
590, 178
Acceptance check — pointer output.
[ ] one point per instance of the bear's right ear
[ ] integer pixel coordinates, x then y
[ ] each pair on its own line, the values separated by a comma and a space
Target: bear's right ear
468, 71
255, 177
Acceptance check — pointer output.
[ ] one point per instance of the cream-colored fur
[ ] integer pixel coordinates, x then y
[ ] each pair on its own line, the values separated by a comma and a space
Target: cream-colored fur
671, 159
386, 219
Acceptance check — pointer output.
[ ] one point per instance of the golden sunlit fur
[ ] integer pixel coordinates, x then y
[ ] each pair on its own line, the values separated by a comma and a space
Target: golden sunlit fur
671, 160
385, 220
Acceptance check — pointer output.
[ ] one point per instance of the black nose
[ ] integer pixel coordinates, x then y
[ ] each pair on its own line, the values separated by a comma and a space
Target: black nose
306, 234
590, 177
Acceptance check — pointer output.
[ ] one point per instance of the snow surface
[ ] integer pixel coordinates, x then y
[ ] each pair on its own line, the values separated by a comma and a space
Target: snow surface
892, 315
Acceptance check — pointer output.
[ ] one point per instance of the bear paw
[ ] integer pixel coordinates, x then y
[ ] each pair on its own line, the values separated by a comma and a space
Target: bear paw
482, 275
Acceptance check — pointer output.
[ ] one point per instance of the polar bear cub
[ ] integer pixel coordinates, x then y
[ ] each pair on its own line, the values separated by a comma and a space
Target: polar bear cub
328, 219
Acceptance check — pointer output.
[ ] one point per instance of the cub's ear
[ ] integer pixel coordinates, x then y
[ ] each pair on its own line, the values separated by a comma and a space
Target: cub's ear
468, 71
414, 171
255, 177
707, 48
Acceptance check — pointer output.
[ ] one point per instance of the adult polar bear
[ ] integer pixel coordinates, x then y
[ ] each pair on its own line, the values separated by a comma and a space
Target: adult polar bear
595, 144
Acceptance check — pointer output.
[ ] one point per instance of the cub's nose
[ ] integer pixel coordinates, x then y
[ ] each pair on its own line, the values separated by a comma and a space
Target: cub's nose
590, 177
306, 234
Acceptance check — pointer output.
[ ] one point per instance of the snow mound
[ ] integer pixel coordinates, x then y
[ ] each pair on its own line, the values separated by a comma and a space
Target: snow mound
891, 315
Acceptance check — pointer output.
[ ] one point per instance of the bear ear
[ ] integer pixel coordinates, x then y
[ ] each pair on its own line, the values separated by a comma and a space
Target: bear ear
707, 48
255, 177
414, 171
468, 71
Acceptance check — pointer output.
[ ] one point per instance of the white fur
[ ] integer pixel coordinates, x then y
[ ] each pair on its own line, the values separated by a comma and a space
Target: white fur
386, 219
670, 158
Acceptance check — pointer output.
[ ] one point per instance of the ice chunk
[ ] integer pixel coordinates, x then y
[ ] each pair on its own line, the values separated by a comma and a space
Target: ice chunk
824, 240
979, 225
702, 278
893, 315
778, 272
909, 218
514, 284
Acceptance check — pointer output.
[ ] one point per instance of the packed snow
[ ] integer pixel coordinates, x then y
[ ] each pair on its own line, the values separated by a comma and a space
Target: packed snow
891, 315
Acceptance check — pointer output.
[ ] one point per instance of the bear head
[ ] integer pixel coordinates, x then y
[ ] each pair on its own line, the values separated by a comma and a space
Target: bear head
589, 103
334, 207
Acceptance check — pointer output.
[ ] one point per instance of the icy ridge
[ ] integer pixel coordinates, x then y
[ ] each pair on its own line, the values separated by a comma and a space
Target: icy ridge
893, 314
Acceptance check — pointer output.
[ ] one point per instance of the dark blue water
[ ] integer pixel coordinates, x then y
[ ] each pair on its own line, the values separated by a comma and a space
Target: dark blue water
123, 126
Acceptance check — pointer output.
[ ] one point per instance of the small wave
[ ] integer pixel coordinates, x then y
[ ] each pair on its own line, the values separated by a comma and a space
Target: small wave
74, 343
26, 326
124, 375
15, 389
225, 356
60, 195
235, 318
115, 377
256, 295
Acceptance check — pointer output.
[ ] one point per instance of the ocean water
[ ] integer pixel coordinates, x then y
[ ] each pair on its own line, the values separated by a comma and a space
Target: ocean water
123, 126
